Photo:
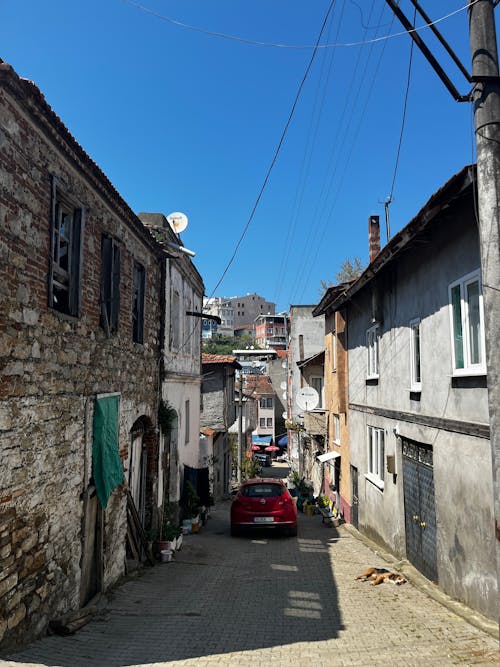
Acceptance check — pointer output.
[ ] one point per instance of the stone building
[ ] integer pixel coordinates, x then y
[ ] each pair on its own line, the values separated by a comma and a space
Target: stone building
80, 306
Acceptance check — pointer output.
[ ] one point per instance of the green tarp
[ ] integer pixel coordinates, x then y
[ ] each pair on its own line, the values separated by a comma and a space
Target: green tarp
106, 463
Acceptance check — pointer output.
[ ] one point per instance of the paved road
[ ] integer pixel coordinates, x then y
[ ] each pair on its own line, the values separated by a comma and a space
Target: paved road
264, 600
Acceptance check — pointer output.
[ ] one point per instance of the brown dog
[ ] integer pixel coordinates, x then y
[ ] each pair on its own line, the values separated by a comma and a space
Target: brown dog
379, 575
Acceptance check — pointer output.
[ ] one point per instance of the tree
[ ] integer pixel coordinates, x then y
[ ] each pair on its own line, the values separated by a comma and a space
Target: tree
349, 270
226, 344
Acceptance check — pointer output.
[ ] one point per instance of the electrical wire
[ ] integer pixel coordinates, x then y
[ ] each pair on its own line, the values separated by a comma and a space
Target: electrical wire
252, 42
405, 106
277, 150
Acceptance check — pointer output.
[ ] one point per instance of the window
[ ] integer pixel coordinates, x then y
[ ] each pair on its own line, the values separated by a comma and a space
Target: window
262, 402
372, 347
376, 456
467, 325
269, 403
262, 422
138, 283
317, 383
336, 429
187, 418
175, 319
110, 285
66, 234
334, 351
415, 374
269, 422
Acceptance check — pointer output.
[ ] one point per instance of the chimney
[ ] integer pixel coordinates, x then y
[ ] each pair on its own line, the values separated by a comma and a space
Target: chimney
373, 236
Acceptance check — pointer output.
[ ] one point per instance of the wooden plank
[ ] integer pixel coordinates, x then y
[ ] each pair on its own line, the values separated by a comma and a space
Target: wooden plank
136, 522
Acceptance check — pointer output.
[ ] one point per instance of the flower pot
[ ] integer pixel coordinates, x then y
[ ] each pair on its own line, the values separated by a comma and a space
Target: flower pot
166, 556
171, 545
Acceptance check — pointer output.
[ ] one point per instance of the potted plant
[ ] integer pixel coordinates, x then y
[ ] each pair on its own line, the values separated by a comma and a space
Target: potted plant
190, 503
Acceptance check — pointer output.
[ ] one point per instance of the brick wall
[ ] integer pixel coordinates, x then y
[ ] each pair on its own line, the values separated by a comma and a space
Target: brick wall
53, 365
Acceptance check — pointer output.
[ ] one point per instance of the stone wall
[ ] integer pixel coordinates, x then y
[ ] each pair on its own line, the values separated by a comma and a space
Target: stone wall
54, 365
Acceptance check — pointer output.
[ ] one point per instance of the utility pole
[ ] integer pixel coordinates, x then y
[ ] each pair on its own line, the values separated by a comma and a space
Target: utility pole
486, 106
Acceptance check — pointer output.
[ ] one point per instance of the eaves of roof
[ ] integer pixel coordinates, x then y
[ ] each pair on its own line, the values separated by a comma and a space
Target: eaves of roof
32, 100
316, 359
428, 214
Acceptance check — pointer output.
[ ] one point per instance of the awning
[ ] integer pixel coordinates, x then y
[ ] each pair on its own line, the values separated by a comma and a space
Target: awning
323, 458
261, 439
283, 441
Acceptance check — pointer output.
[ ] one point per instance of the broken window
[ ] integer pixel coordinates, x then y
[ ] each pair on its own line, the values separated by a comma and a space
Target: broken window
110, 285
66, 233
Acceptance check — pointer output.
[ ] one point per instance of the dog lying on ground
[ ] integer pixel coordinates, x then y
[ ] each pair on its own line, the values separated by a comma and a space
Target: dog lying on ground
379, 575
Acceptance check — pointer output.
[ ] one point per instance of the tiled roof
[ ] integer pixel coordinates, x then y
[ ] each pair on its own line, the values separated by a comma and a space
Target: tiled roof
258, 384
219, 359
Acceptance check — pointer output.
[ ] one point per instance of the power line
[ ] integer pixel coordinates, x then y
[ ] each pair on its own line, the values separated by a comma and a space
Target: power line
315, 47
389, 199
278, 148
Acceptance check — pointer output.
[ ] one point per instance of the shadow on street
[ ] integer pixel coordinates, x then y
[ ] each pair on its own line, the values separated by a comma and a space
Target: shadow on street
221, 595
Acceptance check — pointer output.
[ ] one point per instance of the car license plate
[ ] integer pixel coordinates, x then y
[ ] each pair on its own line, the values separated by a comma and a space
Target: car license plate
263, 519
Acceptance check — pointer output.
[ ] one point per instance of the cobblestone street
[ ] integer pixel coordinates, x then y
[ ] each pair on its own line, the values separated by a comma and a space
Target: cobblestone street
267, 600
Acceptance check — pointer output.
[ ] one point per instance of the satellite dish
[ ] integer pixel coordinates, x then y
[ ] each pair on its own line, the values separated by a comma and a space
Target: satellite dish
255, 364
177, 221
283, 385
307, 399
284, 415
283, 364
284, 395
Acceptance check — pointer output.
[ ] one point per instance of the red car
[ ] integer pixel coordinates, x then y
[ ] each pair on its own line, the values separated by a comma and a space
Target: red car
263, 503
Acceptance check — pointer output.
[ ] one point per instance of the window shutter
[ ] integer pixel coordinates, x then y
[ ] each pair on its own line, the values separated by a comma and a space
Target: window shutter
52, 241
115, 303
76, 262
106, 248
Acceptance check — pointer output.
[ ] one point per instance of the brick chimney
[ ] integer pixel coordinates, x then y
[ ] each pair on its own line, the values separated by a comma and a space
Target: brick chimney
373, 236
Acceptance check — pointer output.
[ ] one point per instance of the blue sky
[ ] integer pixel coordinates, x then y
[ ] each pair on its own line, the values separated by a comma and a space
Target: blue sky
185, 121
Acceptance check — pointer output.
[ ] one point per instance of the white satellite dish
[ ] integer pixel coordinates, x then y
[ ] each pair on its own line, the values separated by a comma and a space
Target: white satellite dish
283, 364
307, 398
283, 385
284, 395
284, 415
177, 221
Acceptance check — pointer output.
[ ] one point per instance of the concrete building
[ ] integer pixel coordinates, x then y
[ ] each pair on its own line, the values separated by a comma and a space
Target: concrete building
222, 308
247, 308
271, 331
180, 368
218, 414
306, 339
80, 312
420, 459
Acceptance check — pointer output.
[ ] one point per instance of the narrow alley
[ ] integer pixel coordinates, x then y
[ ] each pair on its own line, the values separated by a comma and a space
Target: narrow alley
263, 599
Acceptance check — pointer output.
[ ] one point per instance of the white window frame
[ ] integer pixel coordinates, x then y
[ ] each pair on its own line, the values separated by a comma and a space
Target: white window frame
375, 456
336, 429
469, 368
415, 356
321, 393
372, 349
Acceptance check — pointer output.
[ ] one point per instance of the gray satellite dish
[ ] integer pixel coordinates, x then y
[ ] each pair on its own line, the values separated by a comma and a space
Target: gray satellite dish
307, 399
177, 221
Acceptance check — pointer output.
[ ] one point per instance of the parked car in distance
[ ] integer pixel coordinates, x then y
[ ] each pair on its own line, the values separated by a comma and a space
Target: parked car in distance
263, 503
264, 459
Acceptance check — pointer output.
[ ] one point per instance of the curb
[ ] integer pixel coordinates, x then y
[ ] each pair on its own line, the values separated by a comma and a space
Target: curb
431, 590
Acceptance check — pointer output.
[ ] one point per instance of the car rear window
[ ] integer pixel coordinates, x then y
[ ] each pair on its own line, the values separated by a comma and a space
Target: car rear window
262, 491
